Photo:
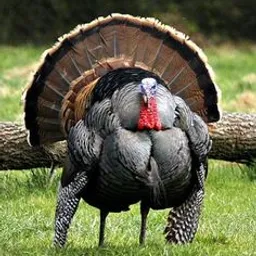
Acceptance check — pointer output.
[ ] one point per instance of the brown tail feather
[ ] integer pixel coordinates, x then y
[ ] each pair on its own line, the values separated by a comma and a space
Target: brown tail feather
64, 80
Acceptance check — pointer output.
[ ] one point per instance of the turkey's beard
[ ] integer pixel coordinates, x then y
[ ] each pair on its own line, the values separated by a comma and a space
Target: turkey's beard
149, 117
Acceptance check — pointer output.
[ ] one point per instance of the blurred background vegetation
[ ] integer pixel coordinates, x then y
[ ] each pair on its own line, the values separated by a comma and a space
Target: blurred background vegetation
41, 21
226, 30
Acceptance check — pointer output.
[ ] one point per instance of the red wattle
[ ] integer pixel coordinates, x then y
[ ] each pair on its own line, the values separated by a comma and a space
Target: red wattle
149, 117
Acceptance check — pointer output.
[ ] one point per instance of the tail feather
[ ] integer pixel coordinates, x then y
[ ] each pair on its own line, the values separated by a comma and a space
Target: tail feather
48, 108
84, 55
53, 93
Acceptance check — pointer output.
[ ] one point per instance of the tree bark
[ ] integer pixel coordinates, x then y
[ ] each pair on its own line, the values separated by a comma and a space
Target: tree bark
234, 139
16, 154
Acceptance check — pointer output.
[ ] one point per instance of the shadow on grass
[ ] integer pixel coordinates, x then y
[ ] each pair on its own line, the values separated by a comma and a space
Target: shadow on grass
74, 250
220, 239
201, 246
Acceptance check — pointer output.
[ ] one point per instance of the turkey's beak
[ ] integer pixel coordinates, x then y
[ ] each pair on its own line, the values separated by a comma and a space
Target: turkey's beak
145, 99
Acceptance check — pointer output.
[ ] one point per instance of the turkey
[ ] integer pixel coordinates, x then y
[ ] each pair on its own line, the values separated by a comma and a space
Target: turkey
132, 98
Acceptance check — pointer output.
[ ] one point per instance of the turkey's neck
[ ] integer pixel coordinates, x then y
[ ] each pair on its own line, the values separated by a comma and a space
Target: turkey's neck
149, 117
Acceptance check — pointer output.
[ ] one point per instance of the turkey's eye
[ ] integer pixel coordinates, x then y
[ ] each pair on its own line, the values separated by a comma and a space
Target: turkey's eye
142, 89
153, 89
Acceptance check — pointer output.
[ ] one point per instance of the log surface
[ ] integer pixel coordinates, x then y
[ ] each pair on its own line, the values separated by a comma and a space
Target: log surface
17, 154
234, 139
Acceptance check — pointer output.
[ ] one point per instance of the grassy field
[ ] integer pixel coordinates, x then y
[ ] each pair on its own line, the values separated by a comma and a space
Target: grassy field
27, 201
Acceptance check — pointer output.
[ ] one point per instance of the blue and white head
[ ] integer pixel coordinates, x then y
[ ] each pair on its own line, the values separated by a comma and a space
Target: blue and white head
148, 88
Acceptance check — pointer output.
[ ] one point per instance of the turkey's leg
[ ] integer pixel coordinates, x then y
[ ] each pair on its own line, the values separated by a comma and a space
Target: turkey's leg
103, 216
144, 210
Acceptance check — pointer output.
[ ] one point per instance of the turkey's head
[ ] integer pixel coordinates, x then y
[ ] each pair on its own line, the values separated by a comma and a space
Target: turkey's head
149, 116
148, 89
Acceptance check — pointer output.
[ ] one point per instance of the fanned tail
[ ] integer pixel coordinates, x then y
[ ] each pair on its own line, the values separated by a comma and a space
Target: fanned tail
59, 93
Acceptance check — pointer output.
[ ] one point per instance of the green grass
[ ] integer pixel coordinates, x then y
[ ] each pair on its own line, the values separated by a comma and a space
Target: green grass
15, 68
235, 74
27, 202
227, 226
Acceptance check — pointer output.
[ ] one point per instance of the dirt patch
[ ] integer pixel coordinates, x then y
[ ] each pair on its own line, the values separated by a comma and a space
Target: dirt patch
5, 91
17, 72
250, 78
245, 102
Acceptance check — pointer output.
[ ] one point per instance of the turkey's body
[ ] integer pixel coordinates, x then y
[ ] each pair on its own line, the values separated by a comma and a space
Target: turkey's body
116, 187
124, 173
131, 97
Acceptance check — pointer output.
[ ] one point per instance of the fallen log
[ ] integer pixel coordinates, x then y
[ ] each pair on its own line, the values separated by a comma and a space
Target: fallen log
234, 139
16, 154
